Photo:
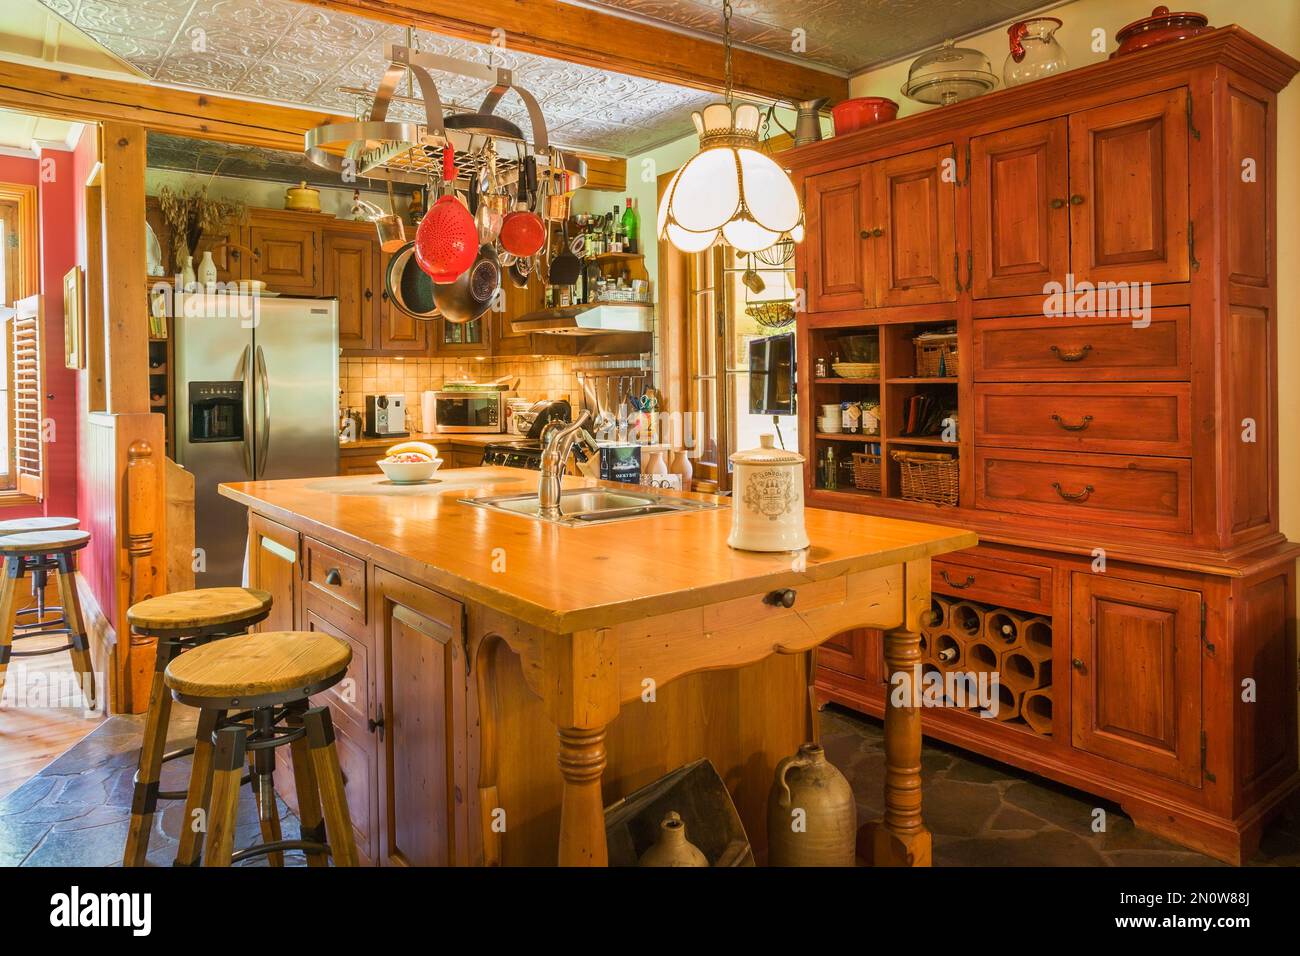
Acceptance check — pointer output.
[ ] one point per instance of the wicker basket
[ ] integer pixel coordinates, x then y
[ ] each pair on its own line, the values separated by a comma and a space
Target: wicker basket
928, 476
936, 356
866, 471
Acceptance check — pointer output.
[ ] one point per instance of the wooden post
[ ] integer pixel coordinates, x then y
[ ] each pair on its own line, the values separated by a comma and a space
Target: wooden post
141, 521
126, 362
582, 701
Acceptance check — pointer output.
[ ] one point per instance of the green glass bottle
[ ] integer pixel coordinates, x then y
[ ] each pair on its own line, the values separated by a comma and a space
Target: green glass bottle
631, 227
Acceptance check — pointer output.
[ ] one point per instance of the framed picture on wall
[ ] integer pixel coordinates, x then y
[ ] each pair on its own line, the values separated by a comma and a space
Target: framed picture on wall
74, 320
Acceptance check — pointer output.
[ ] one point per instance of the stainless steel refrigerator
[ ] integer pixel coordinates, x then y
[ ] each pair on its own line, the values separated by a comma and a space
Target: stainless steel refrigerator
256, 397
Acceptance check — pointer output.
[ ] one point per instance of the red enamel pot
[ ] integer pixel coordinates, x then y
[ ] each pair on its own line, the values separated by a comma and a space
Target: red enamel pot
861, 112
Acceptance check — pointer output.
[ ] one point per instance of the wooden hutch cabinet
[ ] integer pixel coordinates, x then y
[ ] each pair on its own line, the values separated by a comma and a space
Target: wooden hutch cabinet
1102, 245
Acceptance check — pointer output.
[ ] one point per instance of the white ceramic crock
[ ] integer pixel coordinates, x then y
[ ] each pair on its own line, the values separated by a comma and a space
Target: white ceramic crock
767, 501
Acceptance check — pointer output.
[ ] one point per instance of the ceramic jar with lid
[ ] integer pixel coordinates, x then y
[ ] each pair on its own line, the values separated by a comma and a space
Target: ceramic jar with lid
767, 500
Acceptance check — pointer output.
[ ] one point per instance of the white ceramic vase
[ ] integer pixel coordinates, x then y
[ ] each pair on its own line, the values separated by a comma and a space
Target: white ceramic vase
207, 270
767, 499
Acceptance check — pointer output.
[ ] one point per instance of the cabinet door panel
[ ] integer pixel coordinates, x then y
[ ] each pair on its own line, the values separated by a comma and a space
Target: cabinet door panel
1020, 223
846, 653
288, 258
274, 566
227, 256
1128, 184
1136, 677
837, 210
424, 773
399, 332
350, 273
915, 259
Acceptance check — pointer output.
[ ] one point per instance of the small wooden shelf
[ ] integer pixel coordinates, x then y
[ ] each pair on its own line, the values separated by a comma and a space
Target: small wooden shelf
941, 380
616, 257
846, 381
929, 441
846, 436
849, 490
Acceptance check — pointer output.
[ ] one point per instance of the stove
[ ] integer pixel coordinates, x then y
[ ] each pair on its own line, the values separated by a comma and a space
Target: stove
524, 453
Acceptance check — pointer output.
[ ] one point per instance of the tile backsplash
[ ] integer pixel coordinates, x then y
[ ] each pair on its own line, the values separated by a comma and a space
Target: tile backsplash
538, 378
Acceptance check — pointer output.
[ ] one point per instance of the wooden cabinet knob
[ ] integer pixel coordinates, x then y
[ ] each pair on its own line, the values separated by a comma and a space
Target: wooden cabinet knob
782, 598
333, 578
1078, 665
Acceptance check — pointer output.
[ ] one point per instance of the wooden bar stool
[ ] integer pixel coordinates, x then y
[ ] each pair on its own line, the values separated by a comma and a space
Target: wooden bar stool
40, 570
49, 550
180, 621
270, 676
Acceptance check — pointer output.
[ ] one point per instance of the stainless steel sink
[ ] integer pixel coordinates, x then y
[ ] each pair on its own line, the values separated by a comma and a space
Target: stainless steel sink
583, 506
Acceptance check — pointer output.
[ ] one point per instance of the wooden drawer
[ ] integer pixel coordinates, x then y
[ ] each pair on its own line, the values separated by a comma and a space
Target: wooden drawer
336, 578
1139, 419
976, 576
360, 461
1153, 493
1084, 349
756, 611
350, 697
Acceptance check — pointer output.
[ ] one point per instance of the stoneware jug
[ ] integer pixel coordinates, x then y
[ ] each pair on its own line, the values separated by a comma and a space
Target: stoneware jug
767, 505
811, 817
672, 848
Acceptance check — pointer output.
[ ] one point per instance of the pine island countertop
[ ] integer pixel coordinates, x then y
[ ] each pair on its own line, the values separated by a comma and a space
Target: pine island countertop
563, 578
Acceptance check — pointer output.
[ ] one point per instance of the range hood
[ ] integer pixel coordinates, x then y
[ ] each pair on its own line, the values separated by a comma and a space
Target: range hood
608, 329
588, 319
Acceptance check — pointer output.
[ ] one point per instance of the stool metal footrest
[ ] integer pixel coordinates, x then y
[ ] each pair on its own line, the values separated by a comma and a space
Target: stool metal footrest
48, 650
279, 846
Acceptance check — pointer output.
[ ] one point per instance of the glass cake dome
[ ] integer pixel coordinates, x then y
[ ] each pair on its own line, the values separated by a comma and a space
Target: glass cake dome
949, 74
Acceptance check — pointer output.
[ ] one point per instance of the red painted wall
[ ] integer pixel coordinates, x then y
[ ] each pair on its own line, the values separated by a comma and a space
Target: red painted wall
58, 226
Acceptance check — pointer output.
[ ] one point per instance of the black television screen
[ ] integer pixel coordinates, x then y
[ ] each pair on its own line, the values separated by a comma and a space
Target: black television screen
771, 375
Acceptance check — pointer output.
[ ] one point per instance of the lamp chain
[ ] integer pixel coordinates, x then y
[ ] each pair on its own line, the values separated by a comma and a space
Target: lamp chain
726, 48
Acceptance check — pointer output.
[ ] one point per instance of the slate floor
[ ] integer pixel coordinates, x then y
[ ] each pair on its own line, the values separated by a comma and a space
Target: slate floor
75, 811
984, 813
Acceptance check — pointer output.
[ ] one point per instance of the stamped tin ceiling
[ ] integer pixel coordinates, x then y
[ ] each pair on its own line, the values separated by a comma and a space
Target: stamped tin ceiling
843, 35
300, 54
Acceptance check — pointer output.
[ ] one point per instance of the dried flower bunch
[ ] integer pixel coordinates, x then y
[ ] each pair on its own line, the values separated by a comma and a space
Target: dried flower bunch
191, 212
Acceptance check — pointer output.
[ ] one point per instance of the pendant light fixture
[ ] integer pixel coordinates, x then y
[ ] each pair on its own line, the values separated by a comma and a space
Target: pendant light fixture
730, 190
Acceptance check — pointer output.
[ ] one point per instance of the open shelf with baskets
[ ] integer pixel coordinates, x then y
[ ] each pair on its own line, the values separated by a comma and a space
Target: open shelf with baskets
904, 379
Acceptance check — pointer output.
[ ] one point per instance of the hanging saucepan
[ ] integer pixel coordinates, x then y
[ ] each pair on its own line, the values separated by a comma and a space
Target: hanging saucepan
408, 286
470, 296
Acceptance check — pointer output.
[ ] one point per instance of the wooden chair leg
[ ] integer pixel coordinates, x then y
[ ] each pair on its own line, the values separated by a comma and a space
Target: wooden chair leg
229, 767
76, 625
199, 796
13, 569
149, 767
268, 813
329, 779
311, 822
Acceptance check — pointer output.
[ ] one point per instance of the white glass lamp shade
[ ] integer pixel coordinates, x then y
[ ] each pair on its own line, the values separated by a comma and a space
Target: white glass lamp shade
729, 188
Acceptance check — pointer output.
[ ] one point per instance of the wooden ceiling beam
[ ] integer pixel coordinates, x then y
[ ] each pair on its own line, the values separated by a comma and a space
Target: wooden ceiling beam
592, 38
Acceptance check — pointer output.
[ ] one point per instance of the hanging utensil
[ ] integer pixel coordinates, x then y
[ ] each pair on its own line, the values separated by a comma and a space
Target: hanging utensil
391, 228
471, 295
565, 266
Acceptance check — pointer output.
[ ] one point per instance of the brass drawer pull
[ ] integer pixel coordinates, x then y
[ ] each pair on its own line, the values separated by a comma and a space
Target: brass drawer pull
1083, 423
1074, 496
970, 579
1076, 356
782, 598
333, 578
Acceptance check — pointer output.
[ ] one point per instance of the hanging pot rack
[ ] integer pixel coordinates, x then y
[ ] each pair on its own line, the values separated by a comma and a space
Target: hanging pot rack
411, 152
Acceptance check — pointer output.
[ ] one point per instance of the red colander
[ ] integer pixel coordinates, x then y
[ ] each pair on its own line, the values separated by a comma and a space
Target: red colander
446, 243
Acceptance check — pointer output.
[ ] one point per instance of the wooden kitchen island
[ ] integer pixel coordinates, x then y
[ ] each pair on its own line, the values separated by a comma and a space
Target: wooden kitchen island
511, 678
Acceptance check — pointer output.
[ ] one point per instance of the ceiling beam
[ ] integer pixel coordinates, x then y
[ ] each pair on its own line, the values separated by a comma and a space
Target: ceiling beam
592, 38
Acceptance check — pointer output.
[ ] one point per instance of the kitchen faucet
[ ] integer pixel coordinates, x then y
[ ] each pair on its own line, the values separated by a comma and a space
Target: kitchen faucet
558, 439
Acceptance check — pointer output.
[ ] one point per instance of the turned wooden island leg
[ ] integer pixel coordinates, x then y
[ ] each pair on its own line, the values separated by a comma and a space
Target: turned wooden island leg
582, 699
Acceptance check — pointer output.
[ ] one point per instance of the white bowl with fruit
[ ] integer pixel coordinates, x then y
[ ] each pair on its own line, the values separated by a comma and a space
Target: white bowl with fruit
410, 462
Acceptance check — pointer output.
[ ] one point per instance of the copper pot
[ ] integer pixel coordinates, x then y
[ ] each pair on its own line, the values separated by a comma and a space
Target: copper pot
1161, 27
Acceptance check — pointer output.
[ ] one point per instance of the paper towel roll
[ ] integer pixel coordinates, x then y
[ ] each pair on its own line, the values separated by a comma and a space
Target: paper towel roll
428, 421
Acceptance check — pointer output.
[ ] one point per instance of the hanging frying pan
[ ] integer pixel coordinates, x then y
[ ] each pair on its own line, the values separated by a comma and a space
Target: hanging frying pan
470, 296
408, 286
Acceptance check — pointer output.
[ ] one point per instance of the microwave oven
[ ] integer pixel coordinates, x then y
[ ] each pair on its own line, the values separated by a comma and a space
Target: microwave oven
470, 412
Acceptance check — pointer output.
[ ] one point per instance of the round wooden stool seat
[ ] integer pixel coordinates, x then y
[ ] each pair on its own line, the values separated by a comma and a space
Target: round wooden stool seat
23, 525
198, 611
255, 670
33, 543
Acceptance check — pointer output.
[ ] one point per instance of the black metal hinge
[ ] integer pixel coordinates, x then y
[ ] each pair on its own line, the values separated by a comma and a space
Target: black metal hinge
1204, 772
1191, 125
1204, 640
464, 637
1191, 246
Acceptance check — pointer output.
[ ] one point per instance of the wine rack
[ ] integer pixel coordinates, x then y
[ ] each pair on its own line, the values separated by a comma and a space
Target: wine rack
975, 638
